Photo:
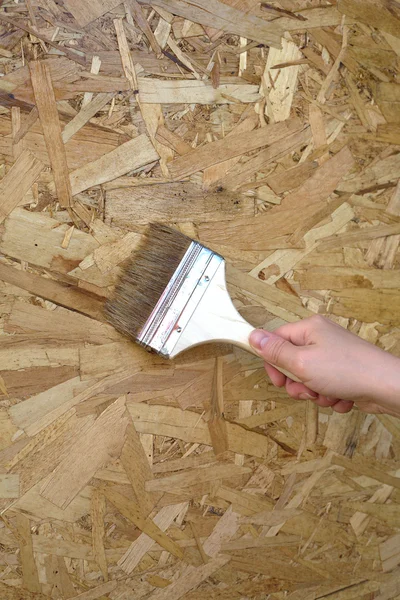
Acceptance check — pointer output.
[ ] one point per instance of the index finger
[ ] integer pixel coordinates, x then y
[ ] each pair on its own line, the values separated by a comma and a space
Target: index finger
294, 332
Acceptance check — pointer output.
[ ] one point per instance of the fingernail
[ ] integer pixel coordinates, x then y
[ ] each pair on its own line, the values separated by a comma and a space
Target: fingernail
306, 396
258, 339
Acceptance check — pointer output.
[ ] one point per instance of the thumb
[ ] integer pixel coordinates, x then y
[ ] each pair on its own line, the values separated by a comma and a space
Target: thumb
274, 349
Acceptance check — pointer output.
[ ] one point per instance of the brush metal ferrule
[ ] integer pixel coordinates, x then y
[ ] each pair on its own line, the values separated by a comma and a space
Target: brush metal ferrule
179, 300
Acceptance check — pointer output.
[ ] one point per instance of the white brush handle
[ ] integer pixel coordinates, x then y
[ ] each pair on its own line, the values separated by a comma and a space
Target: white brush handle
217, 320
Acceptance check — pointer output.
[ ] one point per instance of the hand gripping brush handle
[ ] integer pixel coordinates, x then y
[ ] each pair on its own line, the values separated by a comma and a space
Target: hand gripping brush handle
194, 307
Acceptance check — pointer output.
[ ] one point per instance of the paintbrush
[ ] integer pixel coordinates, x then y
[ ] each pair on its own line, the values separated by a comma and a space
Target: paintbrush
172, 296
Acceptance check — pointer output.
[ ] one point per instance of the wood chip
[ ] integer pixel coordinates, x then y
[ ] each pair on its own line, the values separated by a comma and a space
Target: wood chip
144, 543
228, 148
225, 17
29, 570
9, 486
97, 592
191, 579
104, 438
129, 156
18, 182
48, 114
159, 419
98, 513
131, 512
184, 202
138, 470
56, 292
279, 87
85, 114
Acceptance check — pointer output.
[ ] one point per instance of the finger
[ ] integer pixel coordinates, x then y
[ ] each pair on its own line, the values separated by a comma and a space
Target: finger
299, 333
343, 406
277, 378
299, 391
294, 332
274, 349
325, 402
302, 333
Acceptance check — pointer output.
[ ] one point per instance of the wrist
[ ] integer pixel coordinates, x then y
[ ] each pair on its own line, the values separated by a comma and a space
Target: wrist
385, 385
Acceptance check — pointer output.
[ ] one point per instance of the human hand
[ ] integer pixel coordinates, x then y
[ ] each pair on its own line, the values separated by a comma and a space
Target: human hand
337, 368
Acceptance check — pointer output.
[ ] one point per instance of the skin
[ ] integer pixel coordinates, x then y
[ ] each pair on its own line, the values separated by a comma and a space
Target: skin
337, 368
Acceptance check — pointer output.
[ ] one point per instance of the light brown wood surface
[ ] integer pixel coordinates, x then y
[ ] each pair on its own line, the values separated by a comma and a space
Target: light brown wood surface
47, 108
271, 133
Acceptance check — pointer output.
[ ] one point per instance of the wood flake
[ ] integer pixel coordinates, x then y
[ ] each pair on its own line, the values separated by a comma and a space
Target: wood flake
103, 439
9, 486
85, 114
98, 511
129, 156
48, 114
137, 468
187, 426
191, 579
18, 182
156, 91
184, 203
148, 526
29, 570
284, 260
58, 293
163, 519
229, 147
222, 16
278, 87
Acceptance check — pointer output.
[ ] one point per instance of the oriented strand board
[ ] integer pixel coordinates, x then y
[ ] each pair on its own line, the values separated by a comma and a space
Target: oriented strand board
269, 131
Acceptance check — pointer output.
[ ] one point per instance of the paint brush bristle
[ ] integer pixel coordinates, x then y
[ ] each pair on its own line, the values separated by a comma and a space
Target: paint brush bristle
145, 276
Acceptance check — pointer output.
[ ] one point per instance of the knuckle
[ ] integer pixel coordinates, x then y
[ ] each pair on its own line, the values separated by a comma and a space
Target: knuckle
300, 365
318, 320
275, 350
